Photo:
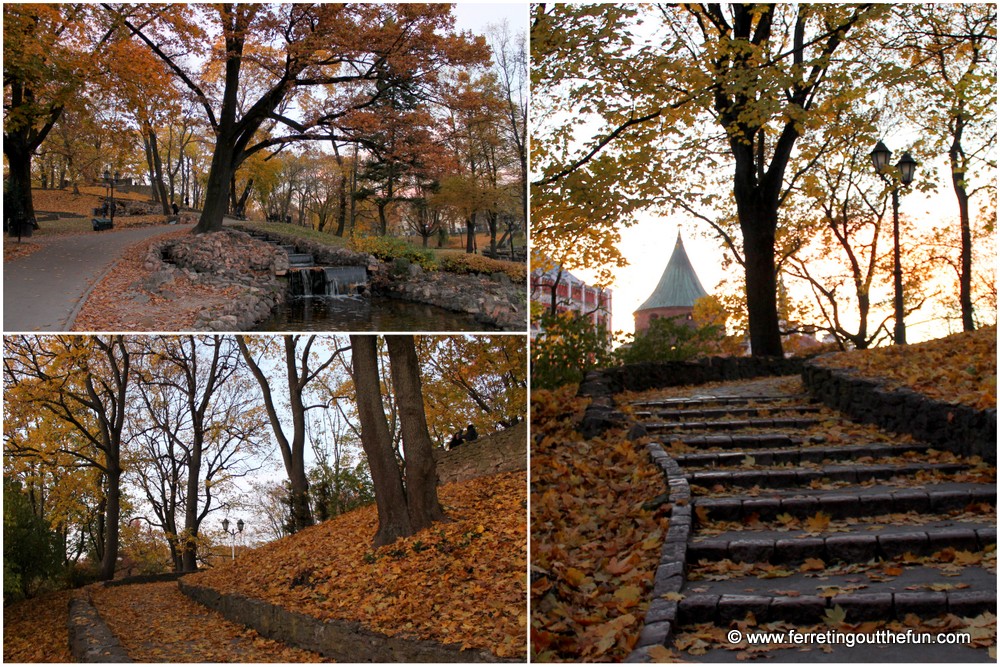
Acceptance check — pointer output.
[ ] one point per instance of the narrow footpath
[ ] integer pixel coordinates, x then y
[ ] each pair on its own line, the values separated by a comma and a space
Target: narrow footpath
43, 291
803, 520
157, 623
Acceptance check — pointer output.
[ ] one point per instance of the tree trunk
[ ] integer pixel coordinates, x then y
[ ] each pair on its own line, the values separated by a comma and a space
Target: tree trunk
470, 235
19, 209
189, 548
758, 227
216, 188
158, 171
112, 516
418, 451
390, 498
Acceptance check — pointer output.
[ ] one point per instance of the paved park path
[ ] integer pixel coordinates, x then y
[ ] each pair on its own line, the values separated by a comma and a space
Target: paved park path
44, 290
803, 519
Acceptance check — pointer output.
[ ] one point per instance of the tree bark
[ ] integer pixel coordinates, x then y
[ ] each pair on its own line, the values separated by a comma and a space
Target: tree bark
418, 451
158, 185
390, 498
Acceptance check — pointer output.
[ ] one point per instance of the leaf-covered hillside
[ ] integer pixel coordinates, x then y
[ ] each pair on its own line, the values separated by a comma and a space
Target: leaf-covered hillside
961, 368
459, 582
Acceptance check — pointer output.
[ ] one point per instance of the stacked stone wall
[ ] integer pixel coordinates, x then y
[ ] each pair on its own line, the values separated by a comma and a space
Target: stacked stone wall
503, 451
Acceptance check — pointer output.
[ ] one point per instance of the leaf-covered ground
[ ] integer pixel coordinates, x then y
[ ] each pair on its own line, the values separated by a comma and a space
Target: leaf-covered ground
119, 303
460, 582
158, 623
35, 630
594, 547
961, 368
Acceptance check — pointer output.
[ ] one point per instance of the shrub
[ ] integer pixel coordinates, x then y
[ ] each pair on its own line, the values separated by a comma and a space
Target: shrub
464, 263
31, 550
668, 339
388, 249
569, 346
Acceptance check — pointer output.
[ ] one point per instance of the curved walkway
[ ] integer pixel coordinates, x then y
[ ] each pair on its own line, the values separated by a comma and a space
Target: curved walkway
44, 290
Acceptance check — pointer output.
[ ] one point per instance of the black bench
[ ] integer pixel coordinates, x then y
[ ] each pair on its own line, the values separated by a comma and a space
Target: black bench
100, 224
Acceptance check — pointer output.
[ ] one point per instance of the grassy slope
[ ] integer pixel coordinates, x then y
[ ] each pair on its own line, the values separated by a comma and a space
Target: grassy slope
460, 582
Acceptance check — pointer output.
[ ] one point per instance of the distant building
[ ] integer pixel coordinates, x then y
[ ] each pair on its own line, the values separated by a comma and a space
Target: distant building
571, 294
675, 294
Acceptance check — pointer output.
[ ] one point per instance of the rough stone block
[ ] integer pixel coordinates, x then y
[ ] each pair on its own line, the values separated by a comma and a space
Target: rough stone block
925, 604
805, 609
892, 545
710, 550
699, 608
654, 634
800, 507
794, 551
968, 604
751, 550
962, 539
986, 537
865, 606
941, 501
661, 610
721, 509
910, 501
851, 548
736, 607
765, 508
839, 505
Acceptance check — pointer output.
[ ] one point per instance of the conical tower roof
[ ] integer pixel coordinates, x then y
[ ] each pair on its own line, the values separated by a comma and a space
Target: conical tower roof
679, 286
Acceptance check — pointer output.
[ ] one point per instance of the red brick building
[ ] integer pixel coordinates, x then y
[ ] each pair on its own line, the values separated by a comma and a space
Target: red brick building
675, 294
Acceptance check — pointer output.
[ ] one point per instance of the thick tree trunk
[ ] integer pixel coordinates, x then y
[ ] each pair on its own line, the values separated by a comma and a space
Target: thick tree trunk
390, 498
418, 451
758, 225
19, 211
217, 188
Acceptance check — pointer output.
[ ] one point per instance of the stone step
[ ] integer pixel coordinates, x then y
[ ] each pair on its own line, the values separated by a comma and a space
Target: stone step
805, 598
842, 503
732, 425
860, 545
797, 455
698, 401
745, 440
300, 259
723, 412
789, 477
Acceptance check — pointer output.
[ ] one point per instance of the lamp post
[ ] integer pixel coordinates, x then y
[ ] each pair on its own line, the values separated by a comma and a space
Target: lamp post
110, 181
904, 171
232, 533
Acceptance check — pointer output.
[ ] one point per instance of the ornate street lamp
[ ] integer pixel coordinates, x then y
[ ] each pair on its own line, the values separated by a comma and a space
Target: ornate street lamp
901, 175
232, 533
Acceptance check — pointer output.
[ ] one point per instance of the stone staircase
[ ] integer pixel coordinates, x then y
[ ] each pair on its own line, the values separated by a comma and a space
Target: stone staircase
790, 529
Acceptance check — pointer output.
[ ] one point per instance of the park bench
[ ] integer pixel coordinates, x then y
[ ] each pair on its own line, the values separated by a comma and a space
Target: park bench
100, 224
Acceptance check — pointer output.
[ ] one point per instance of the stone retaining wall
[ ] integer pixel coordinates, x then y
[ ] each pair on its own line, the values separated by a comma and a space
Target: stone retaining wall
343, 641
657, 375
324, 255
90, 639
503, 451
145, 579
230, 259
957, 428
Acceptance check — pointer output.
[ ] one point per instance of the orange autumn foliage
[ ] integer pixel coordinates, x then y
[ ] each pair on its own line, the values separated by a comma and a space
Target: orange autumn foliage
961, 368
35, 630
594, 548
459, 582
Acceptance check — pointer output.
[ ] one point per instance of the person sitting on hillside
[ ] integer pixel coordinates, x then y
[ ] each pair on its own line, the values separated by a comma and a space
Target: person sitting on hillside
455, 441
471, 434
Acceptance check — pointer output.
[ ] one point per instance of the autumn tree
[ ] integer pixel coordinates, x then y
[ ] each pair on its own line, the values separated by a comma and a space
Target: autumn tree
83, 384
46, 56
289, 48
478, 380
205, 426
402, 510
952, 50
303, 361
760, 75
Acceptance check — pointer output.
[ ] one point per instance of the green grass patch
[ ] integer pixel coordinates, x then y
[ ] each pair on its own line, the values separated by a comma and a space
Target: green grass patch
305, 233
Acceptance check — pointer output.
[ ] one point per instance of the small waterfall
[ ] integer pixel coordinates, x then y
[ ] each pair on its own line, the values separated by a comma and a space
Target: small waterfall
310, 281
345, 280
300, 259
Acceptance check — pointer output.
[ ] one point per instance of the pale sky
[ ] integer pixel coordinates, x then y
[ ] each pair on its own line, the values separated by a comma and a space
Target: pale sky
476, 16
647, 246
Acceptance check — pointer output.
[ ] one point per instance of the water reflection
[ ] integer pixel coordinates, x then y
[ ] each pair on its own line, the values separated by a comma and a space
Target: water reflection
366, 314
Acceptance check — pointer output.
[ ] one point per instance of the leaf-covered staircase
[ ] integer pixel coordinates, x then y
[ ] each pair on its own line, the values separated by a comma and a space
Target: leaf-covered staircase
802, 520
